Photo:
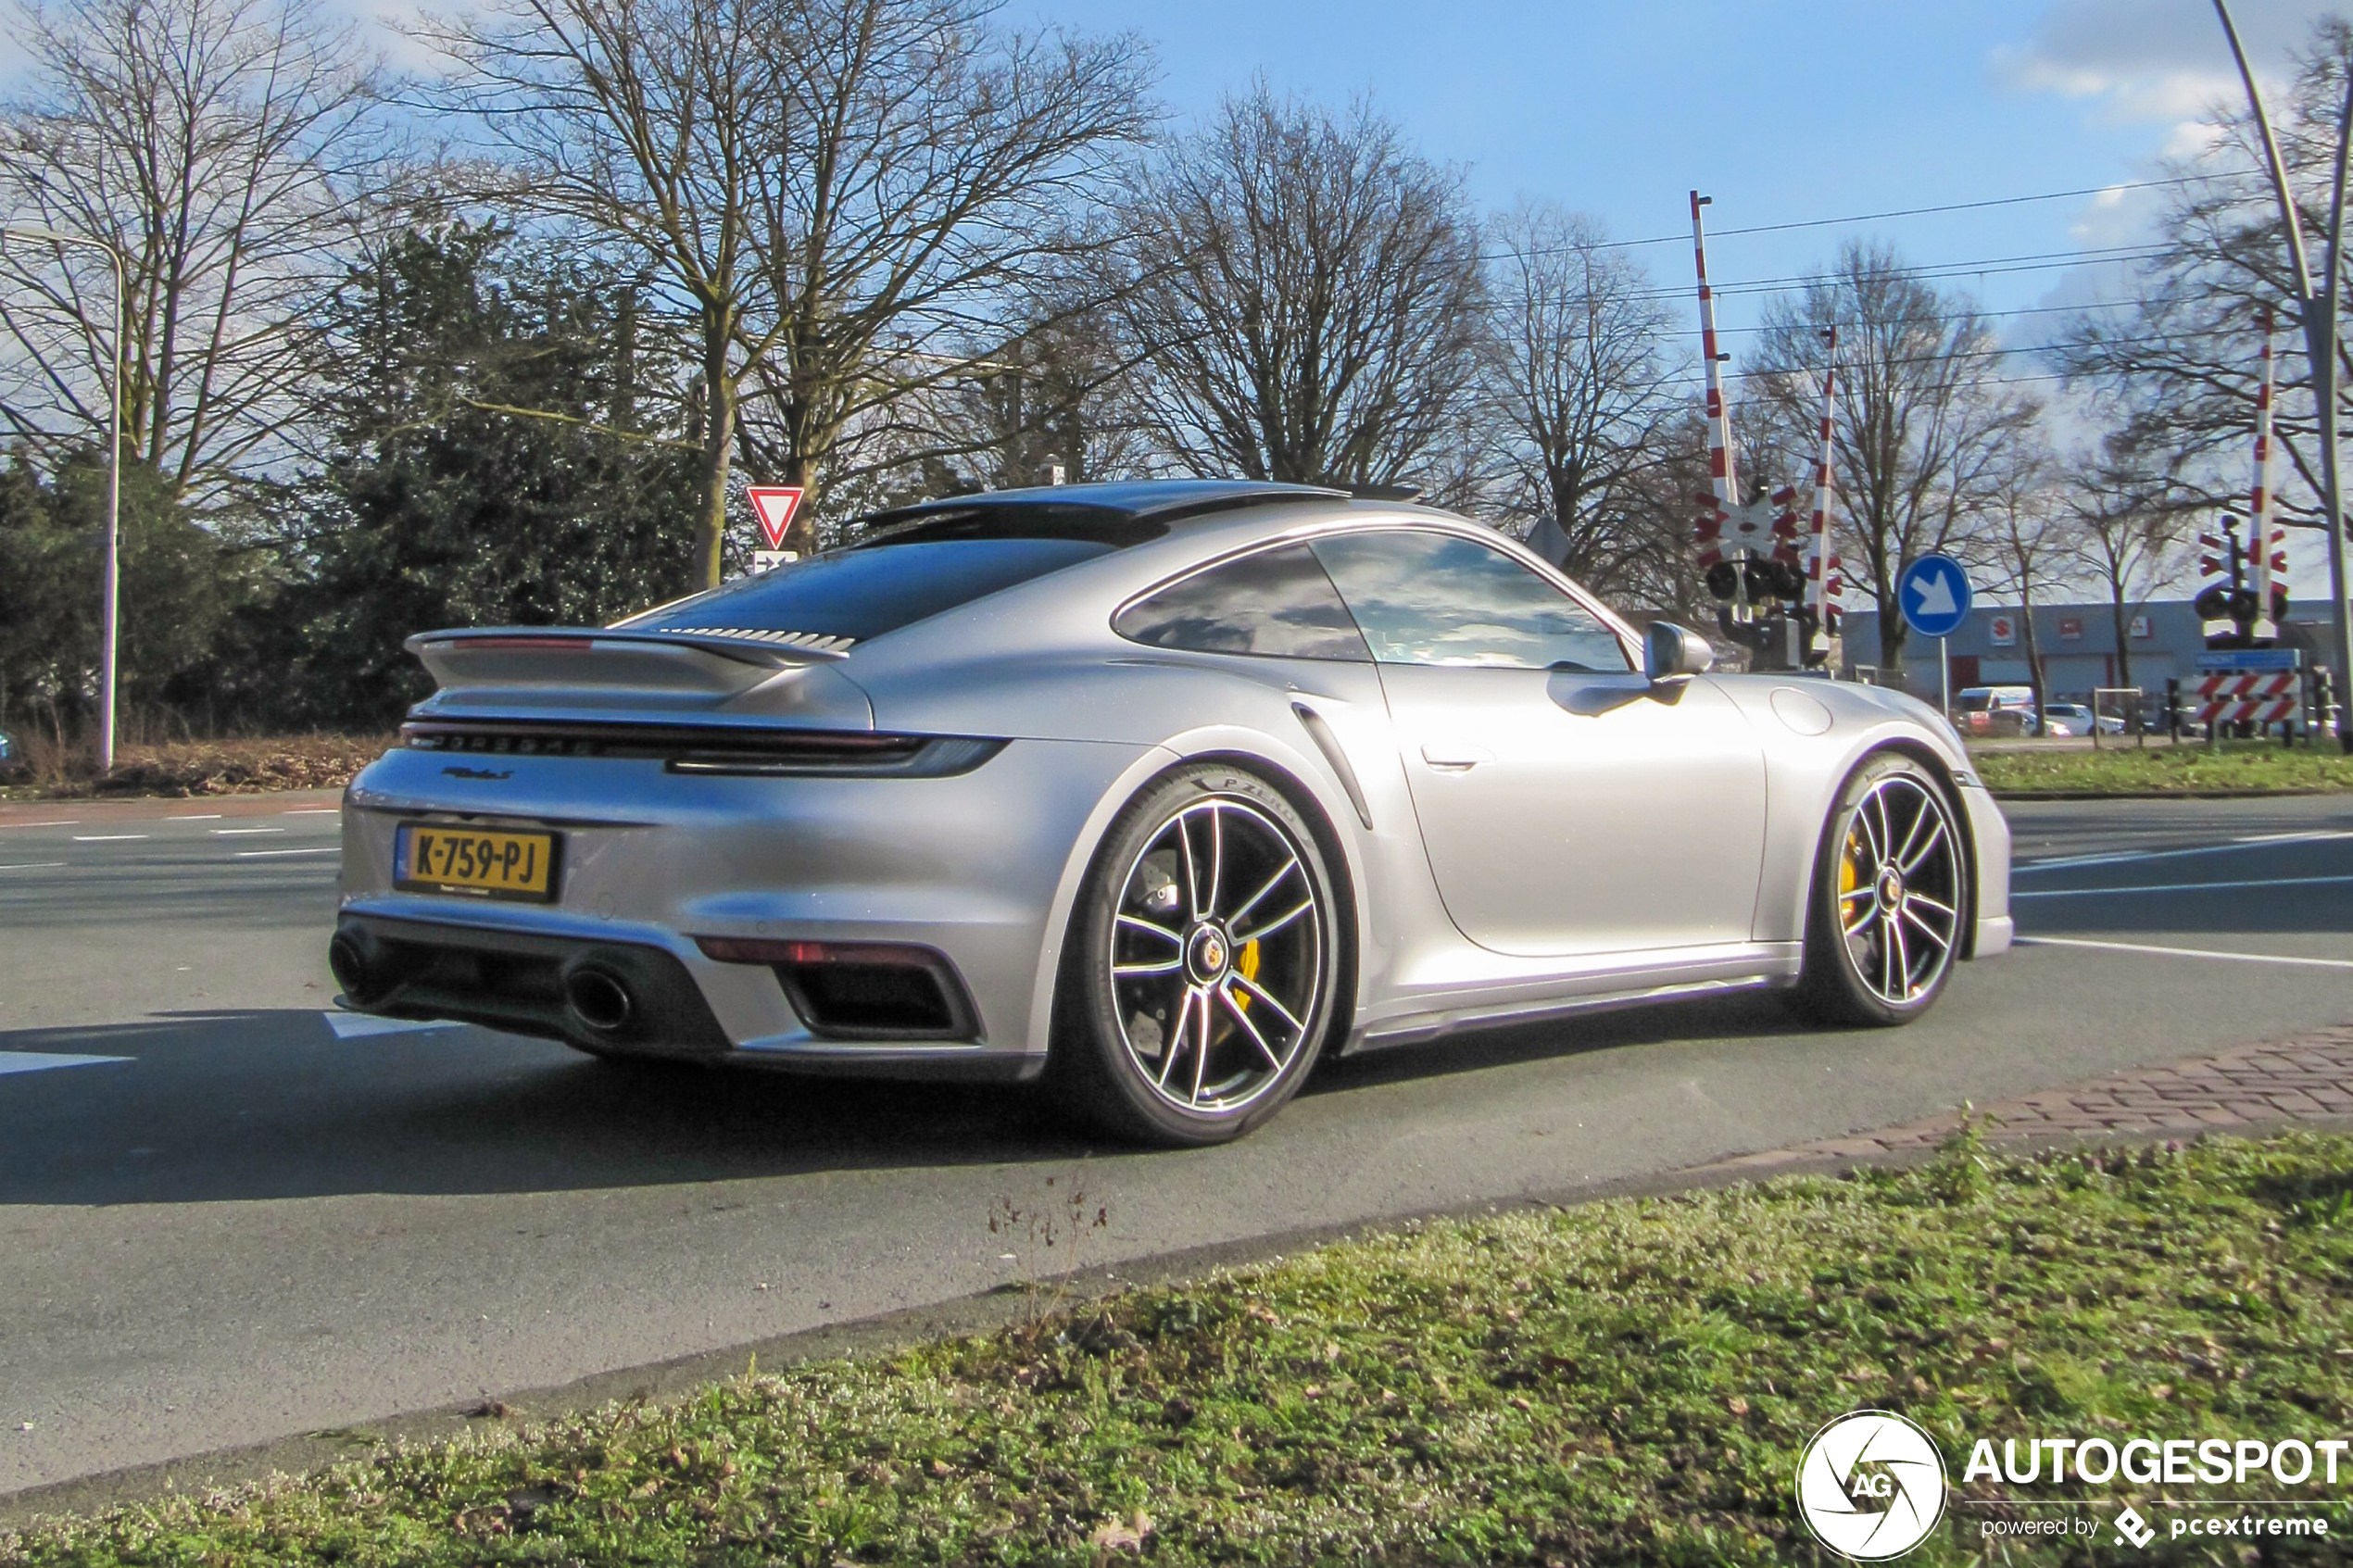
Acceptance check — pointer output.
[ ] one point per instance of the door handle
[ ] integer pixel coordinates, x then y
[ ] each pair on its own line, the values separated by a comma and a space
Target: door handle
1454, 756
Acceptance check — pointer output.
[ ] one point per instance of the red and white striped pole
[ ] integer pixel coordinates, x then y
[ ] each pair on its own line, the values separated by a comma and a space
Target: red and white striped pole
1719, 425
2259, 538
1818, 570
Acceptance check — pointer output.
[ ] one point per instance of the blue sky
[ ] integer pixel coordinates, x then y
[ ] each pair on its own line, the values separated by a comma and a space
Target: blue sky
1782, 112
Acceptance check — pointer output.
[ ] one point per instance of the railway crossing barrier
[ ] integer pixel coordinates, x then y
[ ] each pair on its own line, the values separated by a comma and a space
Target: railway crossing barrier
2244, 696
2249, 702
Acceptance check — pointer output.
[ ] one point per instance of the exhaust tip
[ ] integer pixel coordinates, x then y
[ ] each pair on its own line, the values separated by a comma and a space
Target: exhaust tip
598, 998
348, 960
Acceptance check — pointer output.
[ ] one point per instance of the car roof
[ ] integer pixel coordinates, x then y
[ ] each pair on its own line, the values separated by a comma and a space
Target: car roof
1111, 509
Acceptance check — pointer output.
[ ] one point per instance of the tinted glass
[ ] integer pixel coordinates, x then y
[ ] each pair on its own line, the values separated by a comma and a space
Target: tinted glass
1425, 597
1278, 603
864, 593
1030, 520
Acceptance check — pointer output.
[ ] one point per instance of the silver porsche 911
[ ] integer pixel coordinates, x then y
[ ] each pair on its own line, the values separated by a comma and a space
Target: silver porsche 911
1161, 790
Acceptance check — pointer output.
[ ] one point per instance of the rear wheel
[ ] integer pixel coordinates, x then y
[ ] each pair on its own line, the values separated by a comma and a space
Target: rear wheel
1891, 892
1200, 978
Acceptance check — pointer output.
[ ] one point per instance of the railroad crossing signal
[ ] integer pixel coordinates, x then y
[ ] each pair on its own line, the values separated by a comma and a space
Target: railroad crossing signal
1773, 594
2232, 605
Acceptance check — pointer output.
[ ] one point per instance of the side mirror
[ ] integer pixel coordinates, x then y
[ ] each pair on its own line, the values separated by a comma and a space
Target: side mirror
1675, 653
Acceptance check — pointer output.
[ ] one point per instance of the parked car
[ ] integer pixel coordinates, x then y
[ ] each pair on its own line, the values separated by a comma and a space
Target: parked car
1986, 711
2065, 719
2076, 719
1161, 790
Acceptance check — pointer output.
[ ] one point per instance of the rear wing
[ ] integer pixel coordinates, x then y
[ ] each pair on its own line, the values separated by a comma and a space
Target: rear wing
712, 661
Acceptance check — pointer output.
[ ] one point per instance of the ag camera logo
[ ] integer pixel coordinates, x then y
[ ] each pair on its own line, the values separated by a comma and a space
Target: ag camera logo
1870, 1486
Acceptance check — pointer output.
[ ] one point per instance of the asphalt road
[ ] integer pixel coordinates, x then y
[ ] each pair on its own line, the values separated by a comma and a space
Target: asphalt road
224, 1219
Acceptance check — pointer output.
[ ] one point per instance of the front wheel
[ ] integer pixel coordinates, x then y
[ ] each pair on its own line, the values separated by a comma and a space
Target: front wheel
1891, 892
1203, 962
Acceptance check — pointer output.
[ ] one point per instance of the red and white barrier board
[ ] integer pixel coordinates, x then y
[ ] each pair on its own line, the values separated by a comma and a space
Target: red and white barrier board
2248, 698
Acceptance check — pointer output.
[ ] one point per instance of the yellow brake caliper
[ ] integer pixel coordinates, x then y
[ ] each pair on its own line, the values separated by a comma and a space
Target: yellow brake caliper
1246, 965
1846, 879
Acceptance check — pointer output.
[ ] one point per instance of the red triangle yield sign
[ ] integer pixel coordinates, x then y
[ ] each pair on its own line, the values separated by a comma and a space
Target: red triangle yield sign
774, 504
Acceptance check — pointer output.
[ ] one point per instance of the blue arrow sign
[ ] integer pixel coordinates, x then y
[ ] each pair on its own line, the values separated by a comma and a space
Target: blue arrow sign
1934, 594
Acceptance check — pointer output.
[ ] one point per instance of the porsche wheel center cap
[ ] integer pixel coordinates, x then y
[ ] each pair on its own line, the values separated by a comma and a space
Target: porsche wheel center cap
1207, 954
1891, 888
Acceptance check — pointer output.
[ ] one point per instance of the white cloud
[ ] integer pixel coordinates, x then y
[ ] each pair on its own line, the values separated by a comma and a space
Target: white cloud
2131, 62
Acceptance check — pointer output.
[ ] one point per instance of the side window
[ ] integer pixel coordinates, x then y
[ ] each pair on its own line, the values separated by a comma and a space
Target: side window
1425, 597
1276, 602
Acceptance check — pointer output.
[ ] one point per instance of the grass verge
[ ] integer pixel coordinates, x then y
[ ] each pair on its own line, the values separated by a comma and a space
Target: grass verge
1628, 1382
2188, 767
245, 766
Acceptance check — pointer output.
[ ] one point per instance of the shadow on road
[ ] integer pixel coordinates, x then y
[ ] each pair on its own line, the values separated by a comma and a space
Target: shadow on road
241, 1106
263, 1105
1751, 1015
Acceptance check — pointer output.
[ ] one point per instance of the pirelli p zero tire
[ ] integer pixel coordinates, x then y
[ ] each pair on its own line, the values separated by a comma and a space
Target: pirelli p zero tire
1201, 972
1891, 898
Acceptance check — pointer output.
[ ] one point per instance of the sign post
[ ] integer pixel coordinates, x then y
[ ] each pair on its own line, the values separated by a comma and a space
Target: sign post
1934, 594
775, 506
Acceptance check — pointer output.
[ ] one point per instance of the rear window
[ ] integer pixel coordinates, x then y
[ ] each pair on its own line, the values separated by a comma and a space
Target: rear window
1276, 602
874, 588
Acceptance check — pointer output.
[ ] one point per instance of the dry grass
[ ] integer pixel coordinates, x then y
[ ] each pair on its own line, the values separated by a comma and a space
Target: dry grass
243, 766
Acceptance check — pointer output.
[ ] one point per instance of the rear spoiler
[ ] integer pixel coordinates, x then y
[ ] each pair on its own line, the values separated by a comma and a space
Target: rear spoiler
706, 658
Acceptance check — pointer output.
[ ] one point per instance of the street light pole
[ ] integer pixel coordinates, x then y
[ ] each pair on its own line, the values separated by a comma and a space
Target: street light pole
108, 619
2319, 350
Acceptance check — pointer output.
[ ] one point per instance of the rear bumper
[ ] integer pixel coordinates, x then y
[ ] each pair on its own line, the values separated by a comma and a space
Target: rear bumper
970, 872
518, 981
523, 982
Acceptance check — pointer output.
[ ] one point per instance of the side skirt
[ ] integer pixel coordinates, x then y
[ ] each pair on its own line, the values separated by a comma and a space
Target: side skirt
1763, 971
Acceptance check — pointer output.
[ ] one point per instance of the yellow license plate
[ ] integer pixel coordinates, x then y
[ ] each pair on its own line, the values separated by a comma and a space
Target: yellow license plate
490, 862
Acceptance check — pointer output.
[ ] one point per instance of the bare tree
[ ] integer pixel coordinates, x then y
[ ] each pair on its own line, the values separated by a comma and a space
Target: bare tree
831, 190
2130, 519
1575, 382
2177, 369
1922, 427
1059, 398
1308, 289
2031, 541
223, 146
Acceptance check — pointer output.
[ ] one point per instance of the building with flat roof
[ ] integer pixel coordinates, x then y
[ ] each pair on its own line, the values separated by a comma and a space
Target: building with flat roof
2077, 643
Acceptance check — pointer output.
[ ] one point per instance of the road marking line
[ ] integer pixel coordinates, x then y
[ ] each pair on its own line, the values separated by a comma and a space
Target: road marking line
107, 837
313, 811
2177, 886
32, 866
2119, 856
353, 1025
264, 853
194, 817
226, 832
2183, 952
41, 1061
67, 822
